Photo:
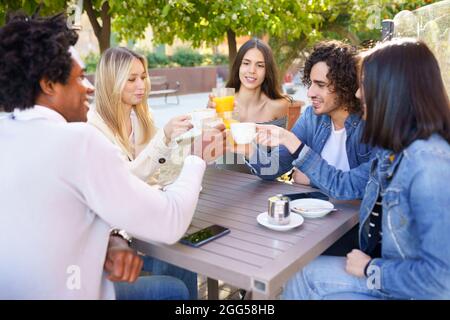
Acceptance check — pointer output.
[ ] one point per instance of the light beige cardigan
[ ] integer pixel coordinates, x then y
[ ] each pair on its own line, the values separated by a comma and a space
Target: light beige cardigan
147, 164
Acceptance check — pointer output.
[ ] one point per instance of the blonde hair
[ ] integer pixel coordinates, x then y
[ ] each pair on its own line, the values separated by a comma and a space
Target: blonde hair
111, 76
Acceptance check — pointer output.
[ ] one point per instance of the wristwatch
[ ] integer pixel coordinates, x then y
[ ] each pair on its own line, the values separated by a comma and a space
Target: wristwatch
122, 234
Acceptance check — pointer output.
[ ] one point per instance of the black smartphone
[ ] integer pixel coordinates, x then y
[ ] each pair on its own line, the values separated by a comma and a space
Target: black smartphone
205, 235
303, 195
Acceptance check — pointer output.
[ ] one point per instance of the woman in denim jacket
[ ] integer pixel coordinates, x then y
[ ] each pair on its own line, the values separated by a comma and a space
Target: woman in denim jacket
404, 219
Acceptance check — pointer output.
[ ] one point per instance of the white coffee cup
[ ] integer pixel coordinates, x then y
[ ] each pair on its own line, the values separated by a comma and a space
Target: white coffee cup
243, 132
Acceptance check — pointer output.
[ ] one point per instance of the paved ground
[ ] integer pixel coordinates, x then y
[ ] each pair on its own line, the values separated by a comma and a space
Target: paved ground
164, 112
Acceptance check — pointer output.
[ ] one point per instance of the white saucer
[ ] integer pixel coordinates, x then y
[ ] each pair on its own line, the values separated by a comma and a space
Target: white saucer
296, 220
313, 208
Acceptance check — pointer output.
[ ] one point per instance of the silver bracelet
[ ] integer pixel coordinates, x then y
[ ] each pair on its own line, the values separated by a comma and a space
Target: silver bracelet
122, 234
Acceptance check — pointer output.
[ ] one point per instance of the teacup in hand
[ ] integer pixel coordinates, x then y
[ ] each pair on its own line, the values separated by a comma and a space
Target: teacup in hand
197, 117
243, 132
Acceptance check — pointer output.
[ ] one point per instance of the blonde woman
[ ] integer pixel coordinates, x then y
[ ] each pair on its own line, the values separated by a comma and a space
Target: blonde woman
122, 114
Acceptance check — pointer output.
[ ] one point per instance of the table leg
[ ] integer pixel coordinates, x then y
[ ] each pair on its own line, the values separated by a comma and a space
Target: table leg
213, 289
259, 295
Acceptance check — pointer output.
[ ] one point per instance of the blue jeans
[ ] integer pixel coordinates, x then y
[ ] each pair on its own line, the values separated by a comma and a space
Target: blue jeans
325, 278
158, 267
152, 288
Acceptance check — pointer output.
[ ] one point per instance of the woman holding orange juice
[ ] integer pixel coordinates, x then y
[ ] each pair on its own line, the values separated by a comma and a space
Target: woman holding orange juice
254, 77
257, 94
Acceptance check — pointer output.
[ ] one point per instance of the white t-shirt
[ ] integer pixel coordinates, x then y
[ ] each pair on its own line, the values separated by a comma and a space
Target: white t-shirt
62, 185
334, 151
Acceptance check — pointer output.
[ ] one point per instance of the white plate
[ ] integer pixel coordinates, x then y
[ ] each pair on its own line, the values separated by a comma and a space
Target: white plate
313, 208
295, 221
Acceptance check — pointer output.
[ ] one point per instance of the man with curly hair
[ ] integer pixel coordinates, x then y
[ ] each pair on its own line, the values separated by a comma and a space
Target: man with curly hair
331, 126
63, 185
330, 74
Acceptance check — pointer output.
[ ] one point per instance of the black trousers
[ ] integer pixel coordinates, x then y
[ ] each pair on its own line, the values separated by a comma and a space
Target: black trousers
345, 244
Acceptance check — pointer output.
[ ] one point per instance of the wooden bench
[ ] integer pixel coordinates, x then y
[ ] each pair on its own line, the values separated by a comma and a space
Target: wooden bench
162, 83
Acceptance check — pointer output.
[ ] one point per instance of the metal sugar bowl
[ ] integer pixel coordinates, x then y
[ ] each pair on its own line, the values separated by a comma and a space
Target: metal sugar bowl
279, 210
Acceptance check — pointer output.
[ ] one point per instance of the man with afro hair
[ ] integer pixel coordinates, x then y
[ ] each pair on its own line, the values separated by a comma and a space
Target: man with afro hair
63, 184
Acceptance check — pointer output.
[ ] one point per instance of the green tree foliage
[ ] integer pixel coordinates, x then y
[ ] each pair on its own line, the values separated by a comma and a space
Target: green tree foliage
101, 13
157, 60
187, 57
91, 61
30, 6
292, 25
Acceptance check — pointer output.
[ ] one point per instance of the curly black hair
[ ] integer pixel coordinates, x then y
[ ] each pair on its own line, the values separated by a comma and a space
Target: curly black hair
32, 49
342, 61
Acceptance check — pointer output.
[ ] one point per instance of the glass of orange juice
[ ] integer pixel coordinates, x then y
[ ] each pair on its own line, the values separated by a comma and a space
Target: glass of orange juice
229, 117
224, 99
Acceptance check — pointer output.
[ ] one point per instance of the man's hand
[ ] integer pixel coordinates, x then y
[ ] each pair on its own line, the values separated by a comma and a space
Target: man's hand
356, 263
211, 144
122, 263
300, 178
273, 136
270, 135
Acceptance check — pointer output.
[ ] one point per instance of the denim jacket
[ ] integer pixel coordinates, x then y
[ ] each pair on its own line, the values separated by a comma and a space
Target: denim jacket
313, 131
415, 260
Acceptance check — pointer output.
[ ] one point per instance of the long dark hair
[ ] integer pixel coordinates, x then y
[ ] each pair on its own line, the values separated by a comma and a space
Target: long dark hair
404, 95
271, 84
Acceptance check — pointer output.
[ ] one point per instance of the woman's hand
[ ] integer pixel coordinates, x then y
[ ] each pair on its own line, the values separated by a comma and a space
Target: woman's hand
273, 136
176, 127
357, 262
211, 103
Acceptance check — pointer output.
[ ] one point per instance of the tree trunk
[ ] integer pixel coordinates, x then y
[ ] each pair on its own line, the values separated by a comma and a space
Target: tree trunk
102, 32
232, 49
104, 41
105, 38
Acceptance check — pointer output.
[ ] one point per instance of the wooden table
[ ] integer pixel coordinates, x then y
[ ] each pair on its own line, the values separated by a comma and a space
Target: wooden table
251, 256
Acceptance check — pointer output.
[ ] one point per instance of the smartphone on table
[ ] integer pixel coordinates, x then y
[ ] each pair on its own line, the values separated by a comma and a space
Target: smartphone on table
205, 235
304, 195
